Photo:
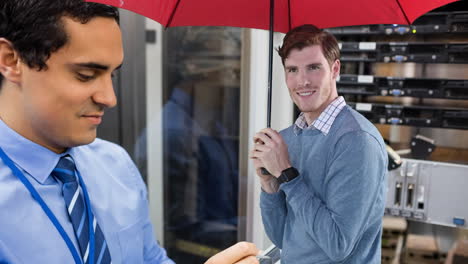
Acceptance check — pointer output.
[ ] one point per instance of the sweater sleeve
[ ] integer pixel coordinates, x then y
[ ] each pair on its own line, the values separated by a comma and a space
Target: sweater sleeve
355, 172
273, 208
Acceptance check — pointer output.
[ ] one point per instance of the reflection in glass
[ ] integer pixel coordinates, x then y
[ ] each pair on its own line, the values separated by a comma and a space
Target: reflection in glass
201, 146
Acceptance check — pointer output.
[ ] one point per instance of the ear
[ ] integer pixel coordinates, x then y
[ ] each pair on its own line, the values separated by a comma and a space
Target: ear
10, 64
336, 69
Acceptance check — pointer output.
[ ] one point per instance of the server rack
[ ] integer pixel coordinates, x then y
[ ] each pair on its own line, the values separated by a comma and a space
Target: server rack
419, 103
438, 22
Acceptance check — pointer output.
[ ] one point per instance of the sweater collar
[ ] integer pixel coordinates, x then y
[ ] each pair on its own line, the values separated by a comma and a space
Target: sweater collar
325, 120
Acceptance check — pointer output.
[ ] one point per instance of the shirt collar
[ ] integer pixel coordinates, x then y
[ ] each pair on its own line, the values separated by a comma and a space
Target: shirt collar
325, 120
35, 159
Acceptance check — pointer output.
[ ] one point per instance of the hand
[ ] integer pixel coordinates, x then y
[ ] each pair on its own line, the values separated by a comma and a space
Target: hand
270, 151
258, 164
240, 253
269, 182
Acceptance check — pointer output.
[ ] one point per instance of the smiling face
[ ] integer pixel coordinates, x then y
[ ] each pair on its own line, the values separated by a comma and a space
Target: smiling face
311, 80
62, 106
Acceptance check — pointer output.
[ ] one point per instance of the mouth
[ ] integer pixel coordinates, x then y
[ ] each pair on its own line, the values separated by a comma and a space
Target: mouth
95, 119
306, 93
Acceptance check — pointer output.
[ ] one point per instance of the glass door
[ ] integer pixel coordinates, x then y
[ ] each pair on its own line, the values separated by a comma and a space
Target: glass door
200, 132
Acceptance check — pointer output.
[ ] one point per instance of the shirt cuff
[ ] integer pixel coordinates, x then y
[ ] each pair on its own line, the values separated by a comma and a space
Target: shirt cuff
271, 200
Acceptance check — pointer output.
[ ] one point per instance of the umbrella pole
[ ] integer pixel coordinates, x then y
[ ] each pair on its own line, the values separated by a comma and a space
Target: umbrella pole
270, 63
270, 73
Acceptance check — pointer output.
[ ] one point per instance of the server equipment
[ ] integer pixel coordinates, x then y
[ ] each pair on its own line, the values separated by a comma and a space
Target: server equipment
426, 52
439, 22
388, 76
433, 192
400, 86
420, 116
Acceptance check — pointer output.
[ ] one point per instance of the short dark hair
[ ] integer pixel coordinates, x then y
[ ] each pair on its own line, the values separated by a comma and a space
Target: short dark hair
309, 35
35, 27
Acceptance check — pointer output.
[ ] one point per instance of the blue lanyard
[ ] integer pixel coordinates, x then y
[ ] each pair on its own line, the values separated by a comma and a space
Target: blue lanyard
51, 215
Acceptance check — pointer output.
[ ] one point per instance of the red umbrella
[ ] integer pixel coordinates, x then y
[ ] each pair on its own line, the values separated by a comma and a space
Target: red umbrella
287, 14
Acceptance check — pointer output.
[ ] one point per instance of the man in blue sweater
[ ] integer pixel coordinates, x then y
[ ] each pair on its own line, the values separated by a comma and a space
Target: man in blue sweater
324, 199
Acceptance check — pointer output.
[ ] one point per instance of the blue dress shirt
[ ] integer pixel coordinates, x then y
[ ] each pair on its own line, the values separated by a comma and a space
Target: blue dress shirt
117, 193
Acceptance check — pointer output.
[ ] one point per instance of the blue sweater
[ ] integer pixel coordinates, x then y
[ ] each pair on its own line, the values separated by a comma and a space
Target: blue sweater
332, 212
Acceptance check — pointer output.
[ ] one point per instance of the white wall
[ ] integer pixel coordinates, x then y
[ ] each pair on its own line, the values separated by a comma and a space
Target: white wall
154, 129
282, 115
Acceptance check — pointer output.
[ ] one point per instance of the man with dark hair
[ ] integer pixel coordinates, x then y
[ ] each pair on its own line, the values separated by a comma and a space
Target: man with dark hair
324, 197
66, 196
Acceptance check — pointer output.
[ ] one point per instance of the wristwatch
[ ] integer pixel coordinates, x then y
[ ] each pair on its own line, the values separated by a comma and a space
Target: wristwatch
288, 175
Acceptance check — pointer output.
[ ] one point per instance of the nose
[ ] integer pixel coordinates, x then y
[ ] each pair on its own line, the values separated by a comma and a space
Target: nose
105, 95
303, 79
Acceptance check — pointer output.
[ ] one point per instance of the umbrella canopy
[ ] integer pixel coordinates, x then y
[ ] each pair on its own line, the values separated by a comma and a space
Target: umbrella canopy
278, 15
288, 13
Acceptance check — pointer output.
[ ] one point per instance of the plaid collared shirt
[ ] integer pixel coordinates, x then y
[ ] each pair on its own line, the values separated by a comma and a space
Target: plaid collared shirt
325, 119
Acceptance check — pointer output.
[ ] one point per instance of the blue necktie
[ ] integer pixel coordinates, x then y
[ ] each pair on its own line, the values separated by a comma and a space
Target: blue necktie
76, 207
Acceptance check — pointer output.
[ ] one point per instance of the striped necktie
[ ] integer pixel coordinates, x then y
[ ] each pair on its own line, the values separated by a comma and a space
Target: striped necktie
76, 207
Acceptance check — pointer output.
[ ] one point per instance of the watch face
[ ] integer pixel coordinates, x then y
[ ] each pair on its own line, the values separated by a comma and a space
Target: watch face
288, 175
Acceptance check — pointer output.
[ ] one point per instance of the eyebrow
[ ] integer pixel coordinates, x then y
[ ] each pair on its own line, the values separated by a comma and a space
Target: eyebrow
93, 65
308, 65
